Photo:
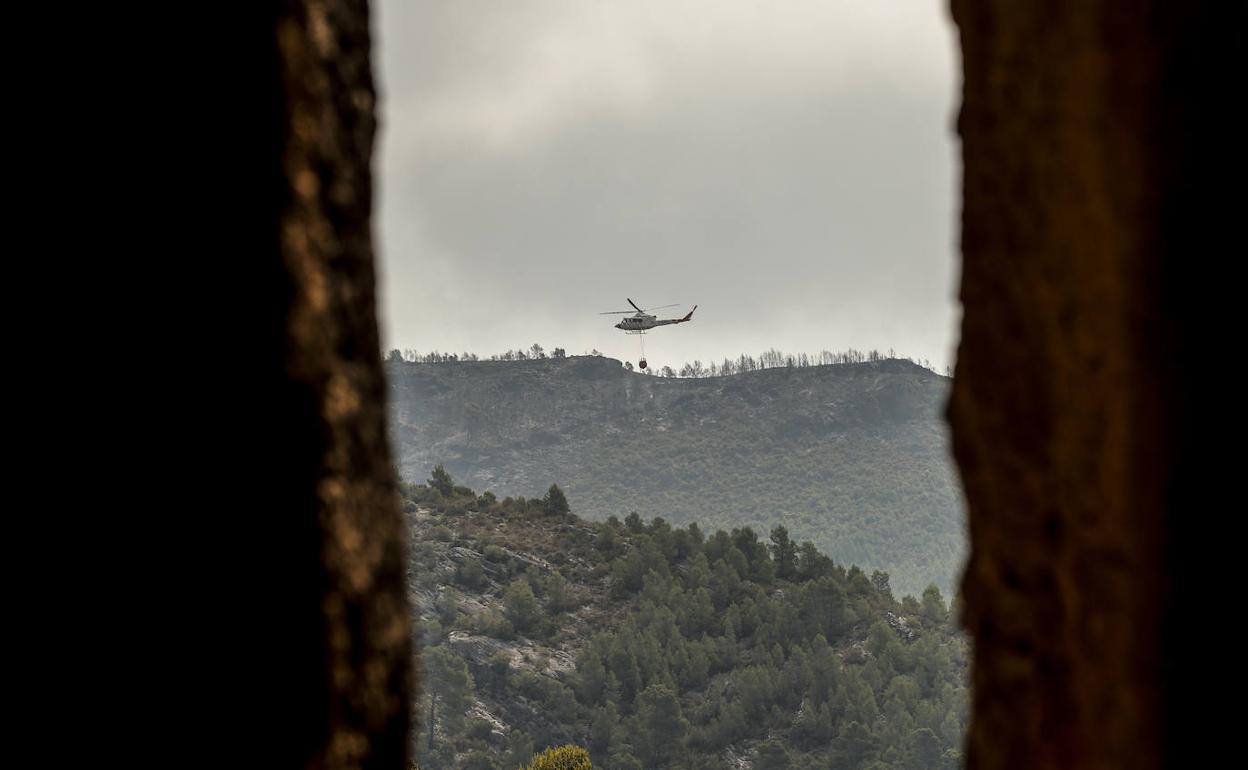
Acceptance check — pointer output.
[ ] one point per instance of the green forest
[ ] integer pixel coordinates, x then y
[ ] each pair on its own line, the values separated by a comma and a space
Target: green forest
654, 646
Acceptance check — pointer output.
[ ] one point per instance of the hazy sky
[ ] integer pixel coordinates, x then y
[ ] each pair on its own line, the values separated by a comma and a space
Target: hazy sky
789, 167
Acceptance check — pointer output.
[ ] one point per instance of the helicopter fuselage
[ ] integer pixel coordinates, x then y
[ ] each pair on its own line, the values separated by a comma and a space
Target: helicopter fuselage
642, 322
637, 323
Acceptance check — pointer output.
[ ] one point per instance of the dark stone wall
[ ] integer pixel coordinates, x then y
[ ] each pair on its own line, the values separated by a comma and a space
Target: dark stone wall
1085, 132
339, 664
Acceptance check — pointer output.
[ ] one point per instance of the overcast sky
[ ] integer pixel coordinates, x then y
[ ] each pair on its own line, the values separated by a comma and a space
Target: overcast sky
789, 167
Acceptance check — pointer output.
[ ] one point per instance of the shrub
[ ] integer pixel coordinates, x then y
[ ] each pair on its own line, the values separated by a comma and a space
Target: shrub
520, 605
490, 623
478, 729
471, 574
561, 758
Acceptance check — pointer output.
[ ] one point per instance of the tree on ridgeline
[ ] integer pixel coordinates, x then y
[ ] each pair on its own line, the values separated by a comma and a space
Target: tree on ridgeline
881, 582
783, 553
441, 481
768, 359
555, 503
935, 614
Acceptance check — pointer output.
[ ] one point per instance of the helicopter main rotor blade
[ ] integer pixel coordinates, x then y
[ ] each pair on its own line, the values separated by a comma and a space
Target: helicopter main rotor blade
634, 304
661, 307
618, 312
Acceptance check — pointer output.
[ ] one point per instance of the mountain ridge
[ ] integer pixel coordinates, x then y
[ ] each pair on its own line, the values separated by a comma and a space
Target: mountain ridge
853, 456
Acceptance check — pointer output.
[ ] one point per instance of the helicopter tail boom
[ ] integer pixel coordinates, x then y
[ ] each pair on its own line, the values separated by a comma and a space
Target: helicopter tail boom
670, 321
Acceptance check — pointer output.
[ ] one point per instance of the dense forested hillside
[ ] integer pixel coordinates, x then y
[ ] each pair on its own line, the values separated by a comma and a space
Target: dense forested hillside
655, 646
852, 456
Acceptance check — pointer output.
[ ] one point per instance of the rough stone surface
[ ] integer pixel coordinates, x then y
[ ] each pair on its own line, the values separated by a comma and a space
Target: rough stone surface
1070, 405
343, 503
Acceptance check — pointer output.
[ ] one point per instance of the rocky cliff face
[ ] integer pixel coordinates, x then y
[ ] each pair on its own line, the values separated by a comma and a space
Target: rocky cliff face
853, 457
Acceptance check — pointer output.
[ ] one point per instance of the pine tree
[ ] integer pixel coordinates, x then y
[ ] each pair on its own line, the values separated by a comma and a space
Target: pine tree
520, 605
441, 481
450, 688
923, 750
591, 677
772, 755
934, 612
555, 503
783, 553
602, 729
559, 595
662, 725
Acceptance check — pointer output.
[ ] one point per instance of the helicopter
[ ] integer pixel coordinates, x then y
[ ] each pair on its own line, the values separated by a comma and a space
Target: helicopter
641, 322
